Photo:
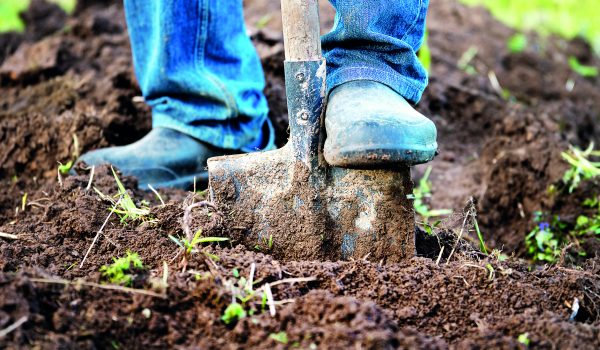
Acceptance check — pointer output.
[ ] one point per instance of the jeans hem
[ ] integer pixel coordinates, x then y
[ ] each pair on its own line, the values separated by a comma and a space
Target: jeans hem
407, 88
215, 136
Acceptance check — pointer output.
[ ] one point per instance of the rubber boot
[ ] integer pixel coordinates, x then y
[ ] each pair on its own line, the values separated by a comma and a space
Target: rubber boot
164, 158
369, 125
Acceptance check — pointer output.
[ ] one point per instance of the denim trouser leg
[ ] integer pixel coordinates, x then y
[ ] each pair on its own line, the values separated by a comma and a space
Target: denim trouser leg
199, 72
377, 40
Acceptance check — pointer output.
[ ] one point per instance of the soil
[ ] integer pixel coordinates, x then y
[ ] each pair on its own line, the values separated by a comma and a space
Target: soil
68, 86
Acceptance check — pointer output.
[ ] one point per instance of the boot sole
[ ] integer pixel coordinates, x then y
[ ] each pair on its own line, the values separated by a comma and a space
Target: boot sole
382, 157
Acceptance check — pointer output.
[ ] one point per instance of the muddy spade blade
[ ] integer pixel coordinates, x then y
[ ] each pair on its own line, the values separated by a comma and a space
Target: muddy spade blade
289, 202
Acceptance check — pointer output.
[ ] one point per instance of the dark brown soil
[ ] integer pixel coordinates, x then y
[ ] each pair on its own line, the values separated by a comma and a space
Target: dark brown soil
506, 155
73, 76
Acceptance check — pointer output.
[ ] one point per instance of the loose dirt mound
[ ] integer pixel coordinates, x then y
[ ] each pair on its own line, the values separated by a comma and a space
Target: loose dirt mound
414, 304
505, 154
73, 76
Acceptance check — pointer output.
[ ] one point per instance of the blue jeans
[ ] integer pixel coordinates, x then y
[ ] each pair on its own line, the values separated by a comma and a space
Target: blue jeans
201, 75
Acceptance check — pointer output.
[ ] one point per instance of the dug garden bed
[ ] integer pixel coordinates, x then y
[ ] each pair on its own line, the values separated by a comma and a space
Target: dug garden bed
504, 118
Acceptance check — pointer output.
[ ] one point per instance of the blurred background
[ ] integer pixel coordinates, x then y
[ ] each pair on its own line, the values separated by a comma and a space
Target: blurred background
566, 18
10, 9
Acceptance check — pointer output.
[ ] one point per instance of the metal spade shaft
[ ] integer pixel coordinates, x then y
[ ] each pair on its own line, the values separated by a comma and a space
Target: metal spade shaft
289, 202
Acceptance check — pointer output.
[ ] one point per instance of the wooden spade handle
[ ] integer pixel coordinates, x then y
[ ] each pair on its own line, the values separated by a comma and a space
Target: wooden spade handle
301, 32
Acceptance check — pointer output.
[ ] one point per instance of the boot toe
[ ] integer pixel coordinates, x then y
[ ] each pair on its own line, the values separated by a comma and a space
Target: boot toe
370, 126
377, 145
163, 158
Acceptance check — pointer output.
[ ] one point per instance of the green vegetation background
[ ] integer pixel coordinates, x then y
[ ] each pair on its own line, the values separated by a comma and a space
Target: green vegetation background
9, 12
567, 18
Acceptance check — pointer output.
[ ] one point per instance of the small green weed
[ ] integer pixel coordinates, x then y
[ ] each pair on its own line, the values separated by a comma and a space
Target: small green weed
582, 168
524, 339
464, 63
115, 344
242, 293
480, 237
263, 21
583, 70
280, 337
120, 271
124, 206
265, 243
246, 300
420, 194
65, 168
233, 313
498, 255
491, 271
588, 224
544, 241
430, 228
190, 246
128, 208
24, 202
517, 43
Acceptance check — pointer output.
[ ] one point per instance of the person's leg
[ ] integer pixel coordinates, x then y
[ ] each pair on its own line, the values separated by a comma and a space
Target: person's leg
202, 77
372, 71
199, 71
377, 40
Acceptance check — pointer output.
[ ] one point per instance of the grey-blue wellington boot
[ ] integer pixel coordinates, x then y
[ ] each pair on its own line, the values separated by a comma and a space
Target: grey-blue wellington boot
164, 158
369, 125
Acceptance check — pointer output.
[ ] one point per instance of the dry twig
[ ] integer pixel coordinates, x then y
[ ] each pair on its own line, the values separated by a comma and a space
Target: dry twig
157, 194
8, 236
250, 280
100, 231
437, 262
12, 327
99, 286
292, 281
270, 300
470, 212
89, 185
